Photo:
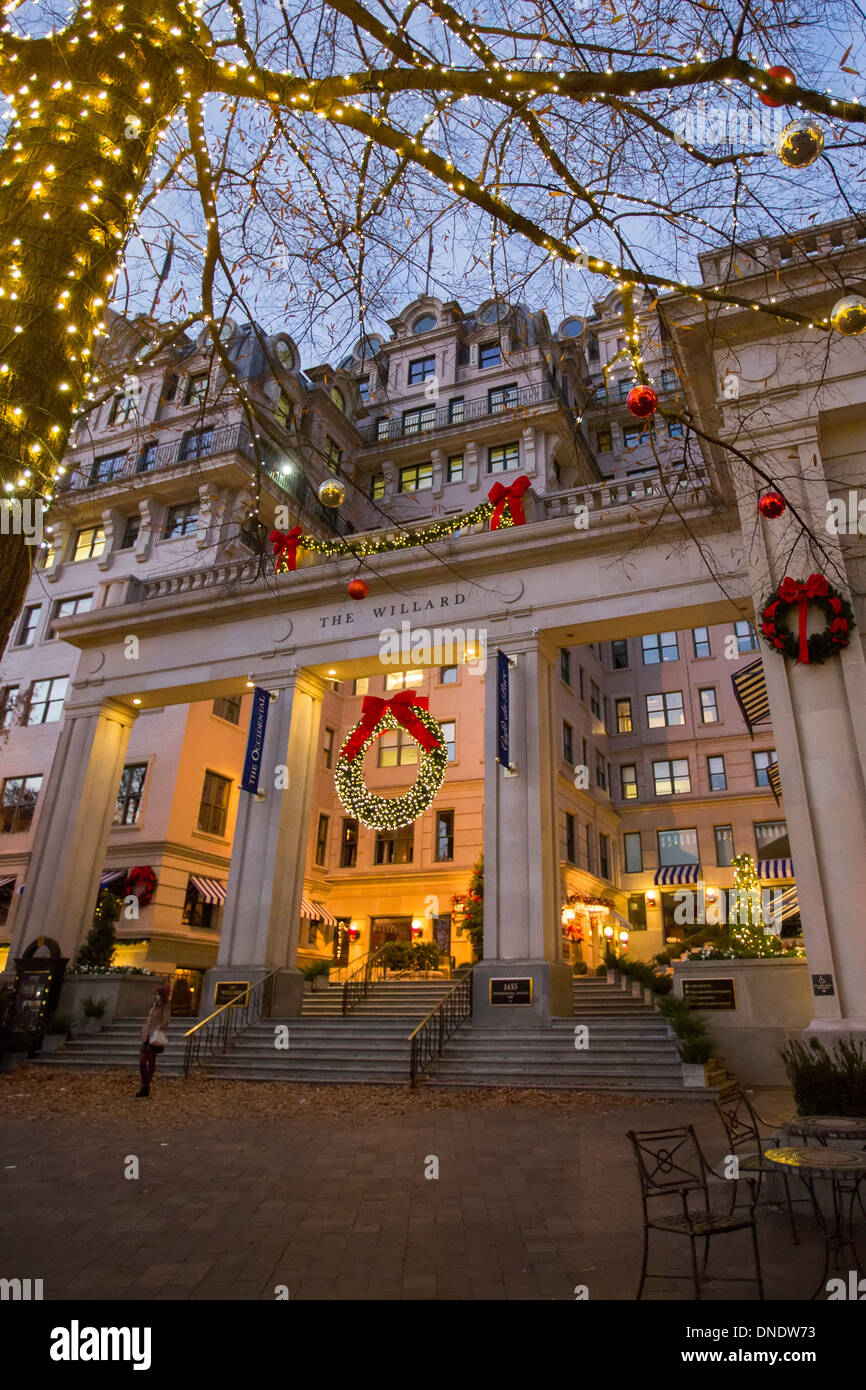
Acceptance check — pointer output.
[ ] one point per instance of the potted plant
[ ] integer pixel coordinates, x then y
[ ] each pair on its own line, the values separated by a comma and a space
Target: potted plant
314, 972
827, 1082
56, 1032
94, 1012
694, 1043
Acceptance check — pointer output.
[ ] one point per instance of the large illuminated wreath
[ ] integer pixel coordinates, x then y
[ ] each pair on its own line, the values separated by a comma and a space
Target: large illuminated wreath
814, 649
405, 711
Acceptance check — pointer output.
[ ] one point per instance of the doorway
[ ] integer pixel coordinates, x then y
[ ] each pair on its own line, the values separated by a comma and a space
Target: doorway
386, 929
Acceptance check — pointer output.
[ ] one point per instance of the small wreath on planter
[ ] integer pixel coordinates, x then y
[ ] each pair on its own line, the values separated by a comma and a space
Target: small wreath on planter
377, 716
813, 650
140, 883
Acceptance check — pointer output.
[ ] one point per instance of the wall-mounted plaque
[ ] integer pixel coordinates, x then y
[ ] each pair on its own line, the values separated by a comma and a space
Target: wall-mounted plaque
710, 994
823, 984
511, 991
227, 992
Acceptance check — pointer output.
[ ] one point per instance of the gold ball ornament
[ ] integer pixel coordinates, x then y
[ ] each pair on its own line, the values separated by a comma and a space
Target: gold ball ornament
848, 315
332, 493
799, 144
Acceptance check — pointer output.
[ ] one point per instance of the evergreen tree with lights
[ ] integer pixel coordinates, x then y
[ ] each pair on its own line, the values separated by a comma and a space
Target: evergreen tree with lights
97, 949
746, 925
473, 921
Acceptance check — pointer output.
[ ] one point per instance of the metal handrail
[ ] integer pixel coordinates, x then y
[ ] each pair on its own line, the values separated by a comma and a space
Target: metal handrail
432, 1033
355, 989
214, 1033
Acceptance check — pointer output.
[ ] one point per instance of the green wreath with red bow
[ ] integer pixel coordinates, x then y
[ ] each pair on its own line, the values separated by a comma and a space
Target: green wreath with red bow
818, 592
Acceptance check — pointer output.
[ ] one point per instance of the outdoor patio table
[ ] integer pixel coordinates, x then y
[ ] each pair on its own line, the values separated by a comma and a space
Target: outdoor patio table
846, 1171
824, 1127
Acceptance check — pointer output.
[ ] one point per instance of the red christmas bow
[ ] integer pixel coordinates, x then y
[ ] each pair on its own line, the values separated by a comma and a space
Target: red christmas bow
792, 591
401, 706
508, 496
285, 545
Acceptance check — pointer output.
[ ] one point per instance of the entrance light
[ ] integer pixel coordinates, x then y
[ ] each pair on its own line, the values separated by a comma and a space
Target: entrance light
608, 931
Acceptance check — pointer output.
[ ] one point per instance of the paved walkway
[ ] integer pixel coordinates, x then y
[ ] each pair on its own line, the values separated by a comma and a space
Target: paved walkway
531, 1200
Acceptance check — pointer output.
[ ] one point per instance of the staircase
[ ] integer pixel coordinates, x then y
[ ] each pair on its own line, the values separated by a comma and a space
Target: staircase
630, 1048
117, 1046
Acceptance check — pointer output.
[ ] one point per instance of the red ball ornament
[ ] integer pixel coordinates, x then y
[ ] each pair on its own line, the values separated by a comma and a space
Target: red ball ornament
357, 588
642, 401
771, 504
782, 74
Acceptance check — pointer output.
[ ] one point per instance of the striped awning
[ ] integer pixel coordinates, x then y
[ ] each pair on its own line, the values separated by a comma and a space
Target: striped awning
750, 688
110, 876
790, 903
775, 868
4, 882
678, 873
325, 915
775, 781
311, 910
211, 889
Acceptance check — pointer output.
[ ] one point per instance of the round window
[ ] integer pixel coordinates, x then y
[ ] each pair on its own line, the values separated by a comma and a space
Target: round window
490, 313
424, 324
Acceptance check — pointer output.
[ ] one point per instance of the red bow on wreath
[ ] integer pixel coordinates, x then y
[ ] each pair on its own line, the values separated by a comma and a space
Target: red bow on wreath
285, 545
400, 706
790, 591
509, 497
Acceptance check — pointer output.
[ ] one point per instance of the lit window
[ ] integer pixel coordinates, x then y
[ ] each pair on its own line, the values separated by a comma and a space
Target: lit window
417, 477
604, 441
623, 717
503, 457
397, 748
333, 454
403, 680
361, 685
89, 543
377, 486
455, 469
628, 782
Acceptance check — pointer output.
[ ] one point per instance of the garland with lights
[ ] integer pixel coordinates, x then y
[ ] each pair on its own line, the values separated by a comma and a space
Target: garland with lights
808, 650
407, 711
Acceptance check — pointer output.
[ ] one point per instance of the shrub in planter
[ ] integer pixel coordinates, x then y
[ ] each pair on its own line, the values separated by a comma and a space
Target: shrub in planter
314, 972
580, 967
692, 1034
827, 1082
424, 955
93, 1008
396, 955
59, 1024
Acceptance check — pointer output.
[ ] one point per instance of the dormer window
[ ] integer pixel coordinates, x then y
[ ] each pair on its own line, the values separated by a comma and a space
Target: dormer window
425, 324
196, 389
490, 355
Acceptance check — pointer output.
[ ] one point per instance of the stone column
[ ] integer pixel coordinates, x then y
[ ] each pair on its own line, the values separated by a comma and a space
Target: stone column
522, 931
261, 918
75, 812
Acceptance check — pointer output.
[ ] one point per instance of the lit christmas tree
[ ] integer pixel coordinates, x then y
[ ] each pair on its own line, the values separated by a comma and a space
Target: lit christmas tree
748, 931
473, 907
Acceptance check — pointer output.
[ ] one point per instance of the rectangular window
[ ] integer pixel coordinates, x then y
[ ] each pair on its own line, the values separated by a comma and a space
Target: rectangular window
417, 477
106, 467
503, 457
665, 710
45, 704
637, 912
633, 435
131, 528
181, 520
585, 754
709, 707
395, 846
196, 389
447, 675
599, 396
724, 837
659, 646
675, 429
228, 707
397, 748
449, 728
28, 625
747, 638
567, 742
570, 842
127, 808
604, 441
213, 810
67, 608
716, 772
89, 543
421, 369
604, 855
197, 446
600, 772
633, 853
349, 843
283, 412
333, 454
17, 803
581, 685
628, 781
701, 641
416, 421
9, 705
455, 469
121, 409
444, 837
677, 847
771, 837
623, 717
147, 456
671, 777
590, 849
322, 840
501, 398
623, 387
489, 355
197, 912
383, 427
364, 389
565, 664
377, 486
595, 699
403, 680
361, 685
619, 654
456, 408
328, 748
669, 379
760, 763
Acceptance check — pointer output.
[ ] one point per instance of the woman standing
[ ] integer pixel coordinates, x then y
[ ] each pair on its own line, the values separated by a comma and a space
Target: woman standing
153, 1037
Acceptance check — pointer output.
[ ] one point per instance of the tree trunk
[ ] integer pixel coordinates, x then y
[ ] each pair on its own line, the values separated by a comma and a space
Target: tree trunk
90, 103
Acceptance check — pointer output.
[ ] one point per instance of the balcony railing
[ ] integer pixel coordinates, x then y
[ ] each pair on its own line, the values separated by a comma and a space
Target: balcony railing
427, 418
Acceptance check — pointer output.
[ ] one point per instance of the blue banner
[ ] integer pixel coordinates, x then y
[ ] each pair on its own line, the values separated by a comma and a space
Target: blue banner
255, 740
502, 749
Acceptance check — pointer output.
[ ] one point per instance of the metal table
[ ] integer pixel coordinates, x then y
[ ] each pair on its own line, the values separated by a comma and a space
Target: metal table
824, 1127
845, 1171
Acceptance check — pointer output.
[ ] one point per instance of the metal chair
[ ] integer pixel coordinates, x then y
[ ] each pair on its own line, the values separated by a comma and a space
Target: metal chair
742, 1126
670, 1164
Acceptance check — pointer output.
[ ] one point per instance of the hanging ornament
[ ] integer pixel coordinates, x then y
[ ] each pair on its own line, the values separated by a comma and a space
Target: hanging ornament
799, 143
642, 401
782, 75
332, 493
817, 592
771, 504
357, 588
848, 315
408, 711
